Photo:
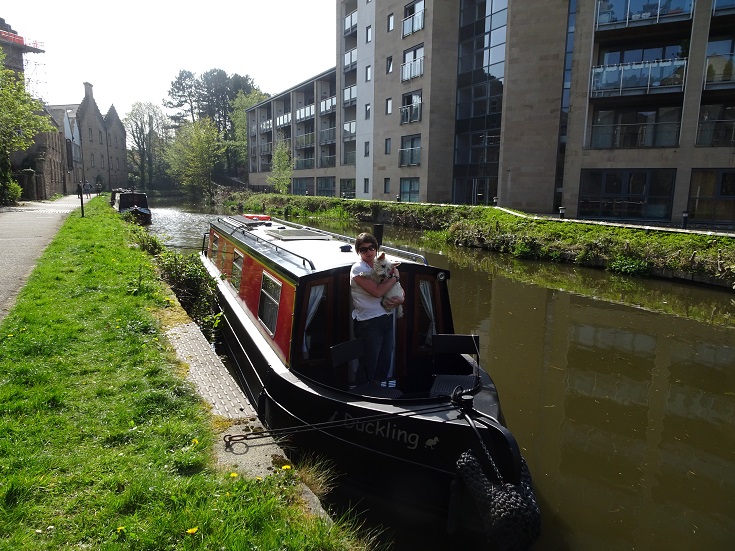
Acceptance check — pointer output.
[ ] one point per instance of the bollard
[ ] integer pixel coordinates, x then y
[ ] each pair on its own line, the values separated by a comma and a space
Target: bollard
561, 211
684, 219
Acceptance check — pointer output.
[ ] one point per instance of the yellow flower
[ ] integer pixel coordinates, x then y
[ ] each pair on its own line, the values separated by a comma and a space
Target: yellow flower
259, 478
120, 529
233, 475
194, 441
286, 467
193, 530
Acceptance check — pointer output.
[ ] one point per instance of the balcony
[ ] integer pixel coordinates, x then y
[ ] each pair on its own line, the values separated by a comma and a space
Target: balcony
412, 69
304, 164
328, 135
350, 60
266, 126
283, 120
328, 105
624, 13
723, 7
265, 167
350, 24
266, 148
305, 113
410, 113
634, 136
413, 23
409, 157
350, 157
716, 133
328, 161
286, 141
305, 140
349, 96
719, 73
349, 131
638, 78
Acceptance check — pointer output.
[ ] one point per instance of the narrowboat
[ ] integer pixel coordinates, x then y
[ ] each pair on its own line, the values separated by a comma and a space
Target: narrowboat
135, 203
431, 445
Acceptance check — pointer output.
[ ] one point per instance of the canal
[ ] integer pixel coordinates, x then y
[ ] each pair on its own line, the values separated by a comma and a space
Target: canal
620, 391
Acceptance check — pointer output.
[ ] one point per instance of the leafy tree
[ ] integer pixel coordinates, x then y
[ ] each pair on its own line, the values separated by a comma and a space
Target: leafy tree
185, 94
281, 168
193, 156
240, 105
21, 119
147, 130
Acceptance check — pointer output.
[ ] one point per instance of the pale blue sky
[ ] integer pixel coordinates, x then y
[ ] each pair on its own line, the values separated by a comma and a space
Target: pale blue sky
131, 51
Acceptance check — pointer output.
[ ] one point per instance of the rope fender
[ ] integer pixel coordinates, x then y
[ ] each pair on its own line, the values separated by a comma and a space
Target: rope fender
510, 515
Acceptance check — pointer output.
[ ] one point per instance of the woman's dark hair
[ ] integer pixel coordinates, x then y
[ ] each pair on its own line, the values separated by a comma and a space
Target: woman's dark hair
365, 238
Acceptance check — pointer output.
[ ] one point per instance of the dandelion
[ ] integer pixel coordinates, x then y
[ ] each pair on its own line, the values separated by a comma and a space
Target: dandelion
193, 530
286, 467
194, 442
120, 529
259, 478
233, 475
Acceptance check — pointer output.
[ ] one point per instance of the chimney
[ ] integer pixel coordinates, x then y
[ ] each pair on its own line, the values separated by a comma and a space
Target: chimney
88, 90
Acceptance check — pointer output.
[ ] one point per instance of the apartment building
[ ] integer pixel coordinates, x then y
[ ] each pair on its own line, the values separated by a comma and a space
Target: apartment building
610, 110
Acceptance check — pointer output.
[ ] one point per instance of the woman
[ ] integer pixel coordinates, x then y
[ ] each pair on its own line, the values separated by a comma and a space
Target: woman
372, 322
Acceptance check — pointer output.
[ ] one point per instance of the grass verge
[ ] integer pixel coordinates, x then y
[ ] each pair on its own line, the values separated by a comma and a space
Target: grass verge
103, 445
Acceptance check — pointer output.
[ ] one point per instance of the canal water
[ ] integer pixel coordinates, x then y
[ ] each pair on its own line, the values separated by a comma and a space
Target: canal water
620, 391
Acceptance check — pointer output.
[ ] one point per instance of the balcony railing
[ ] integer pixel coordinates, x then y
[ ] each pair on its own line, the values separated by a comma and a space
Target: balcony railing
413, 23
283, 120
634, 136
304, 164
350, 60
327, 105
412, 69
638, 78
349, 96
266, 148
328, 161
349, 130
328, 135
350, 157
721, 7
305, 140
265, 167
719, 72
351, 23
621, 13
287, 141
716, 133
410, 113
266, 126
305, 113
409, 157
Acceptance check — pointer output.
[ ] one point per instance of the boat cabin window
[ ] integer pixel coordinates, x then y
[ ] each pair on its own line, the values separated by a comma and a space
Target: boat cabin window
236, 270
270, 296
315, 341
425, 315
214, 248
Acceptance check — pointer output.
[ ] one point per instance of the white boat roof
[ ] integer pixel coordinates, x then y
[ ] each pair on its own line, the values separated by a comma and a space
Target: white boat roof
300, 250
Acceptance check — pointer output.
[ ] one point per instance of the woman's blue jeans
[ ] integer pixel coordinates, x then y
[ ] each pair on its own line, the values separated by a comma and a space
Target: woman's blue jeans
379, 341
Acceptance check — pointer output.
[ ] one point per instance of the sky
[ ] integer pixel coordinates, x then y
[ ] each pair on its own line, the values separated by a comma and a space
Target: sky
131, 51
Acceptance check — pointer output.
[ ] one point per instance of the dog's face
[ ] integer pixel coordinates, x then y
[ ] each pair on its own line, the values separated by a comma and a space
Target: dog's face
382, 267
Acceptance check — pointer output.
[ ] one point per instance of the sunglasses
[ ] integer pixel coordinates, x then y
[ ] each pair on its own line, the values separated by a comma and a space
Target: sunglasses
366, 249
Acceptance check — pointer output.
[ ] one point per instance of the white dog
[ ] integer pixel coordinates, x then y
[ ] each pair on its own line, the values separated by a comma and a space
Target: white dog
382, 267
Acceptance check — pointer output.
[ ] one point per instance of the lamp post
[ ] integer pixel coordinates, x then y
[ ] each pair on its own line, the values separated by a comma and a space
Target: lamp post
684, 219
562, 210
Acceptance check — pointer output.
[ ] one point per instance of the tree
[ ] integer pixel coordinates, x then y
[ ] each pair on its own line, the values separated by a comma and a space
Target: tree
185, 94
193, 155
147, 130
21, 119
240, 105
281, 168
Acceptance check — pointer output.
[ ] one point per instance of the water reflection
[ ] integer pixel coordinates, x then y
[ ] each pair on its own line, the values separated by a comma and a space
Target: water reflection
620, 391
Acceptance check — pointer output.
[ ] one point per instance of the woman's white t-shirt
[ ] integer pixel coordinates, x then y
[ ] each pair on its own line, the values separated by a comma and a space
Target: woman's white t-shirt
366, 305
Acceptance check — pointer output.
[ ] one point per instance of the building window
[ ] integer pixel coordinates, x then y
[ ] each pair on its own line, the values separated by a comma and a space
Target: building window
270, 296
325, 186
391, 22
626, 194
387, 146
92, 160
389, 64
367, 149
90, 134
100, 132
301, 186
635, 128
386, 185
369, 34
367, 111
413, 63
410, 153
102, 161
347, 188
413, 17
389, 106
368, 73
409, 191
411, 107
712, 196
366, 185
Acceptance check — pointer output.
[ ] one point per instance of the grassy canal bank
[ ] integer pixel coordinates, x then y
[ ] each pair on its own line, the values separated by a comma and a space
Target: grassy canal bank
104, 444
703, 257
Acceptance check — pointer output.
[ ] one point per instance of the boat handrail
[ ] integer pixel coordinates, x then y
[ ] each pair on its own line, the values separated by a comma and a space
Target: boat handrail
243, 227
399, 252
